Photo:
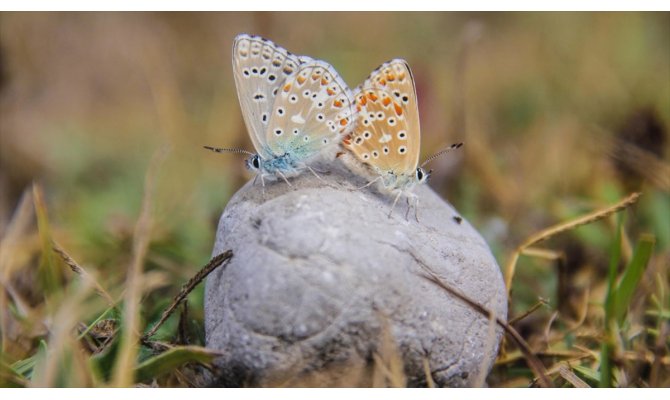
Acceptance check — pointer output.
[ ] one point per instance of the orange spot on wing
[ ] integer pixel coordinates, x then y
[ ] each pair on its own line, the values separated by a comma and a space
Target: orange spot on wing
287, 87
383, 82
401, 76
330, 92
372, 96
324, 81
362, 100
398, 109
315, 77
347, 140
390, 77
301, 79
386, 101
337, 103
343, 121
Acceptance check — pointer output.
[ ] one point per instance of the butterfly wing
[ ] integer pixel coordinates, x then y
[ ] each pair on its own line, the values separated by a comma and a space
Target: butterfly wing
387, 134
260, 68
313, 109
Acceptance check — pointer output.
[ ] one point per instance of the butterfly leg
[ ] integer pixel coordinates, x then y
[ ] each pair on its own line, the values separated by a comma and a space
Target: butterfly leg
408, 207
416, 208
315, 174
395, 202
369, 183
284, 178
262, 184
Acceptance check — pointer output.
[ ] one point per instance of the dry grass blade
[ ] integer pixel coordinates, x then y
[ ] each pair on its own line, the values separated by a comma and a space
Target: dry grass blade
535, 307
429, 376
570, 376
535, 364
388, 364
188, 287
125, 363
8, 244
77, 269
563, 227
62, 346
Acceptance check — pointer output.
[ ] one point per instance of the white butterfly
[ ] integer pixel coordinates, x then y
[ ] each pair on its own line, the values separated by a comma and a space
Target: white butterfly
294, 107
387, 136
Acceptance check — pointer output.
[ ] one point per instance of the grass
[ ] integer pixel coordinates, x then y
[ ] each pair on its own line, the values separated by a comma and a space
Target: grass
564, 172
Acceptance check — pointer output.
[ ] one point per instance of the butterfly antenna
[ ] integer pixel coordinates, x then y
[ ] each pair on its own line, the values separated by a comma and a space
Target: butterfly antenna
439, 153
222, 150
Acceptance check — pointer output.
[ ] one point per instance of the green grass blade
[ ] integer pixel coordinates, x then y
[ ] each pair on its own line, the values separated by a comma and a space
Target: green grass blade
172, 359
50, 276
632, 275
26, 367
607, 347
587, 374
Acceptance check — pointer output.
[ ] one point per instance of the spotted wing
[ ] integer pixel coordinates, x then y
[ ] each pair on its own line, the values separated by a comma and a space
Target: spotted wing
260, 68
313, 109
387, 134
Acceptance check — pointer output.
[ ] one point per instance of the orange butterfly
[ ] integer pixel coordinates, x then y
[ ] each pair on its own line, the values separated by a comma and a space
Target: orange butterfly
387, 136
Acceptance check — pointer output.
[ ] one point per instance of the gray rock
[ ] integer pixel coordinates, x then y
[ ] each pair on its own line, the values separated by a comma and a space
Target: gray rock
325, 290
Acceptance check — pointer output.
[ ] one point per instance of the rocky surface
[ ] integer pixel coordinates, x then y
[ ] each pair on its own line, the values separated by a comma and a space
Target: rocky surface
324, 289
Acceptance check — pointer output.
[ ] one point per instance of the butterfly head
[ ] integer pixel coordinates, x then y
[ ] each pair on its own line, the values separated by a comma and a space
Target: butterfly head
421, 175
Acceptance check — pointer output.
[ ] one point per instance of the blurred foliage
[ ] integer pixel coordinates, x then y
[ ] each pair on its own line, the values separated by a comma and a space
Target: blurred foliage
561, 114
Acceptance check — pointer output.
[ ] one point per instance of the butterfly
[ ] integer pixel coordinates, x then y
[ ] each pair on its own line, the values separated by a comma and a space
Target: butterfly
294, 107
387, 136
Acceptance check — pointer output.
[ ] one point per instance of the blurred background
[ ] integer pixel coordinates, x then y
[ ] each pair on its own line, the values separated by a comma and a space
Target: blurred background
560, 113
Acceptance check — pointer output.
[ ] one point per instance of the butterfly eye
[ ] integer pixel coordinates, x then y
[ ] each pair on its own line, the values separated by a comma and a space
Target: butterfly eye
254, 162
